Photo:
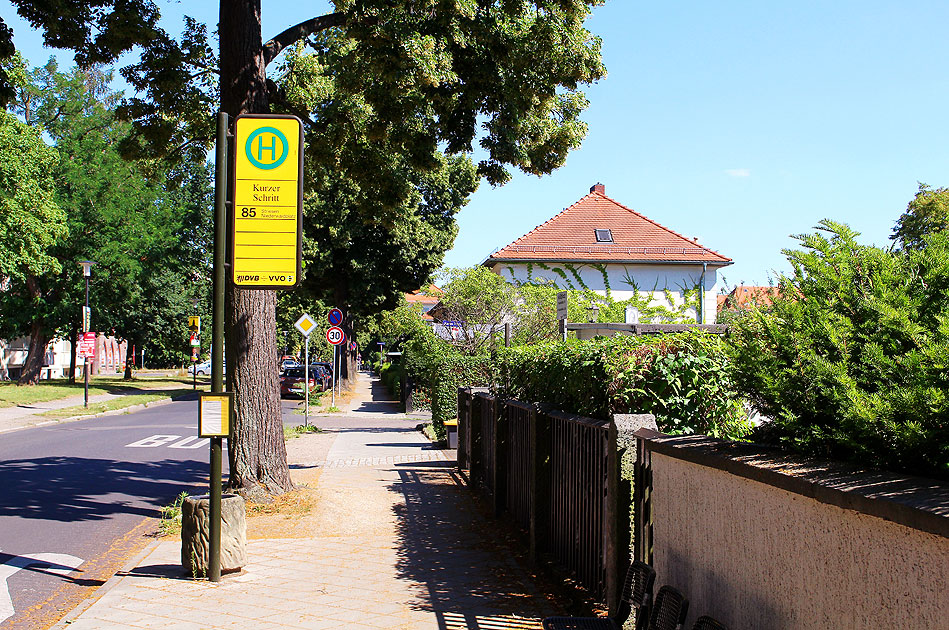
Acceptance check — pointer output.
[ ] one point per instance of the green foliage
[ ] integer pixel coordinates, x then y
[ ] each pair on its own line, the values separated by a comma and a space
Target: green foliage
439, 370
170, 519
483, 301
150, 243
290, 433
927, 213
30, 219
391, 376
850, 362
682, 379
448, 373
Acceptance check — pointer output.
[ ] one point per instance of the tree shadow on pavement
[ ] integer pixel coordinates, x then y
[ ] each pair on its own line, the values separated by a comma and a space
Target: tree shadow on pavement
473, 570
71, 489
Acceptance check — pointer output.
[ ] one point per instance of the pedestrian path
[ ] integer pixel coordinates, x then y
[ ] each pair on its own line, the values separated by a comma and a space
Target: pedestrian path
394, 540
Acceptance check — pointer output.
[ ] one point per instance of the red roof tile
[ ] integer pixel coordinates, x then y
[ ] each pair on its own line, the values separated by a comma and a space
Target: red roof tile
745, 296
570, 236
425, 295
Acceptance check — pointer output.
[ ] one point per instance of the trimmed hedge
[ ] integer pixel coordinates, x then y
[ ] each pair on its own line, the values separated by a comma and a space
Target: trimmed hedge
391, 376
682, 379
449, 373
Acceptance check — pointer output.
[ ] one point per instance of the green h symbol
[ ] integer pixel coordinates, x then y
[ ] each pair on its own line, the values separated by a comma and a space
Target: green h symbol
272, 148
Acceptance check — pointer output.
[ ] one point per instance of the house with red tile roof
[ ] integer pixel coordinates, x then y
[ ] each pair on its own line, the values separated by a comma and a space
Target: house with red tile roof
427, 297
744, 297
602, 245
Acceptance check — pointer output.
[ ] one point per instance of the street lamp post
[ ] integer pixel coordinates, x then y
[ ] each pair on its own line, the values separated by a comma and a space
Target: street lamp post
86, 319
194, 365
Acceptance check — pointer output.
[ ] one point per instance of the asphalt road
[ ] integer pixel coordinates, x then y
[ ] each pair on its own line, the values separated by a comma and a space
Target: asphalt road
82, 494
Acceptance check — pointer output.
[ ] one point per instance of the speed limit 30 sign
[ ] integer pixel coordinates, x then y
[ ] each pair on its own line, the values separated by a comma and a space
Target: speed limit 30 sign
335, 335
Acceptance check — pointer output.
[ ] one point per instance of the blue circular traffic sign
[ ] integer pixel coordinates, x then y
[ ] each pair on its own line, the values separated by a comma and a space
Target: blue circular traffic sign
335, 317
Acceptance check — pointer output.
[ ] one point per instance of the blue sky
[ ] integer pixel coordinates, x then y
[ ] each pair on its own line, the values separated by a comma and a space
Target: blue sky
740, 123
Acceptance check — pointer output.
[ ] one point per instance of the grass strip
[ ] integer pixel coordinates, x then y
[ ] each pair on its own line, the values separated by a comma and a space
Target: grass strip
292, 432
120, 402
12, 394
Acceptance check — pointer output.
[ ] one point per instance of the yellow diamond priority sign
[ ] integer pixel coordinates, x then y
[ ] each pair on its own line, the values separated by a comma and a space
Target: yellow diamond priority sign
268, 201
305, 325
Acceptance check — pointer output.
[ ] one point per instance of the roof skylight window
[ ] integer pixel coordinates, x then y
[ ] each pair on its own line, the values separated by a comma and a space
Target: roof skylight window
604, 236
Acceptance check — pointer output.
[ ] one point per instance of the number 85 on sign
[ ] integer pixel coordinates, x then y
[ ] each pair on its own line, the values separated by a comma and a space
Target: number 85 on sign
335, 335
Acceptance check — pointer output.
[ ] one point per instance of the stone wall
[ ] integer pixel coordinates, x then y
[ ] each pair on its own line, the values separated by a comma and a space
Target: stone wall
764, 541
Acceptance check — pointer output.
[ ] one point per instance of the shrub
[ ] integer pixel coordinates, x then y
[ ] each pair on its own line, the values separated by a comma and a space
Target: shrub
391, 376
851, 361
450, 372
682, 379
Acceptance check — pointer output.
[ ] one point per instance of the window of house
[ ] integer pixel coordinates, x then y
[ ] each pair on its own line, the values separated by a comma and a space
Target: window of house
604, 236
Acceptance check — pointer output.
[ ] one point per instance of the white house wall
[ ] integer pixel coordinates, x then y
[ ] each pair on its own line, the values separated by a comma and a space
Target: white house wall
623, 280
110, 357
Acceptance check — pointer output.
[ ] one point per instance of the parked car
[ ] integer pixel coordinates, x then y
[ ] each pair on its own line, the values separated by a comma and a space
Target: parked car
323, 375
292, 379
327, 368
288, 362
200, 369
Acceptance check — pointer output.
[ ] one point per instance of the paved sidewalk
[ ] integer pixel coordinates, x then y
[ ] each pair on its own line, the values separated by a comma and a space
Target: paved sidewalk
395, 540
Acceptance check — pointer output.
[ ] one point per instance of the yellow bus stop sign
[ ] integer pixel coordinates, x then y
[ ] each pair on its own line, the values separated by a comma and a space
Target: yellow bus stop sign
268, 200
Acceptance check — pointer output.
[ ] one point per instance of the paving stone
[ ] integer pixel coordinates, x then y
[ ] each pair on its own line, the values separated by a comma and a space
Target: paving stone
405, 549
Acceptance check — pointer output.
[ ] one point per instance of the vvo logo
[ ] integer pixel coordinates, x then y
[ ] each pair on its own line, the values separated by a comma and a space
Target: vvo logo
267, 148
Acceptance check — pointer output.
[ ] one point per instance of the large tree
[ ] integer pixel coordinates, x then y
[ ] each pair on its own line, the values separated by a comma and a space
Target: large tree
927, 213
147, 243
109, 208
438, 76
30, 223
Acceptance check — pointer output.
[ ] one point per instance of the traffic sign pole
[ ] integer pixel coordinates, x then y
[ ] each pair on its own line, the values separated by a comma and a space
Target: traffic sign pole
334, 375
217, 335
306, 382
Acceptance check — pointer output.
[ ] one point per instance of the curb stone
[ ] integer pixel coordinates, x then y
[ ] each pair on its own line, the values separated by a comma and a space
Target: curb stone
84, 605
111, 412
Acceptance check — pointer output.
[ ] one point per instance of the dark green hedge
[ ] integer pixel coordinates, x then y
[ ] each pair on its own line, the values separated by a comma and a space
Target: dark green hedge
682, 379
449, 372
852, 359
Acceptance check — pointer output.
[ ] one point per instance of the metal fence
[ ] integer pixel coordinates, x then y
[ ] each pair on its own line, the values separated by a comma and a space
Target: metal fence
554, 474
579, 465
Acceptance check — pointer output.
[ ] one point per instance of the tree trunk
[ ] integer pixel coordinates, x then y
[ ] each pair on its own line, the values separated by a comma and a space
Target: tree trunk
74, 345
38, 340
128, 361
34, 357
257, 452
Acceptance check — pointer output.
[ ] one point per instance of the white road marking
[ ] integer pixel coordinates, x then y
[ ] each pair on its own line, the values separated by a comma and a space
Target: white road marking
59, 563
184, 443
154, 440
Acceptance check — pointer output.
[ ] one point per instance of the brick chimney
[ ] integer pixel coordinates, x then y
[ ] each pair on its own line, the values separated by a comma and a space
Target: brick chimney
600, 188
